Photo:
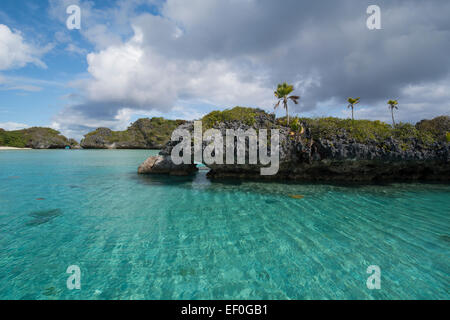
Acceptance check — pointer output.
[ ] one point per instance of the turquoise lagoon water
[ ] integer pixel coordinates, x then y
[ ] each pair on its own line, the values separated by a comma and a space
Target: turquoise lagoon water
138, 237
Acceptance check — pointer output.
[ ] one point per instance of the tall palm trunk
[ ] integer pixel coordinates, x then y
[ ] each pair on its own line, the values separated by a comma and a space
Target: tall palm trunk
392, 112
352, 114
287, 111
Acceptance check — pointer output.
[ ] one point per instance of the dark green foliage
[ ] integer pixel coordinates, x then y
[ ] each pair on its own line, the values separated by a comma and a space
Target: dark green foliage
407, 131
14, 139
439, 127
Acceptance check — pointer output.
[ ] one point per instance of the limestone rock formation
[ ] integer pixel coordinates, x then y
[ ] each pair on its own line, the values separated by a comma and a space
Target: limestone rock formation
330, 150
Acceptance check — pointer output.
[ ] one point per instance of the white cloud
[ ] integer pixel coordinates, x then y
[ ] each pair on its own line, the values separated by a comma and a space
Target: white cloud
75, 49
13, 126
15, 52
136, 76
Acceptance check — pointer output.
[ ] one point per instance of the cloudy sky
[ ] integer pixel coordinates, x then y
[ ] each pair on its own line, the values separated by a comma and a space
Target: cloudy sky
184, 58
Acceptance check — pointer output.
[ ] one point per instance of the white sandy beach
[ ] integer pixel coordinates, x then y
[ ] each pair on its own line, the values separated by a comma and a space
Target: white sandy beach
12, 148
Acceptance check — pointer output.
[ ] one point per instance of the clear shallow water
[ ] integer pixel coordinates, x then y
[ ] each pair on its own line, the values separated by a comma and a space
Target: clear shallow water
138, 237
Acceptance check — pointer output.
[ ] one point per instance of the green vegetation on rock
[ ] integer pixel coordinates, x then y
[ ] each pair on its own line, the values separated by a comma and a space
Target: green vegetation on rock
36, 137
246, 115
360, 130
438, 127
14, 139
364, 131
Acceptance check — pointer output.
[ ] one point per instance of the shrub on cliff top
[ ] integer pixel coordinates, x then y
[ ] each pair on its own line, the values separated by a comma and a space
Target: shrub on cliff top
246, 115
360, 130
438, 127
365, 130
406, 131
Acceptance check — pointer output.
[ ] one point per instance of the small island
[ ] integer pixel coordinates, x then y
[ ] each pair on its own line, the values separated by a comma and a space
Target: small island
36, 138
329, 149
145, 133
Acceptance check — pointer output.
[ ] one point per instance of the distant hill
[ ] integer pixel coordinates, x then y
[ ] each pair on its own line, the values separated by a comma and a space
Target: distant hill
143, 134
36, 138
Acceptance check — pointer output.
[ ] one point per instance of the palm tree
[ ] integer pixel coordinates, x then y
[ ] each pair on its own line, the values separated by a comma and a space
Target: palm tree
393, 104
282, 95
352, 103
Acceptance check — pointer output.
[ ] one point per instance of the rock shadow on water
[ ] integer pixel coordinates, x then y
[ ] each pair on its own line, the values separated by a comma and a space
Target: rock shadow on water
271, 201
43, 216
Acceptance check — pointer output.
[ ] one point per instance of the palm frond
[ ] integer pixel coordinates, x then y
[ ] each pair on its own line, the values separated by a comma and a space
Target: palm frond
278, 104
393, 103
283, 90
353, 101
294, 99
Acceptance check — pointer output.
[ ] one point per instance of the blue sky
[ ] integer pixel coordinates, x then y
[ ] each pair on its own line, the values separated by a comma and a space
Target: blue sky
182, 59
33, 94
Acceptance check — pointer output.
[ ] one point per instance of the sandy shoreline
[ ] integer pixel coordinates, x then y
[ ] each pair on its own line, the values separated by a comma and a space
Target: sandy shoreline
11, 148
